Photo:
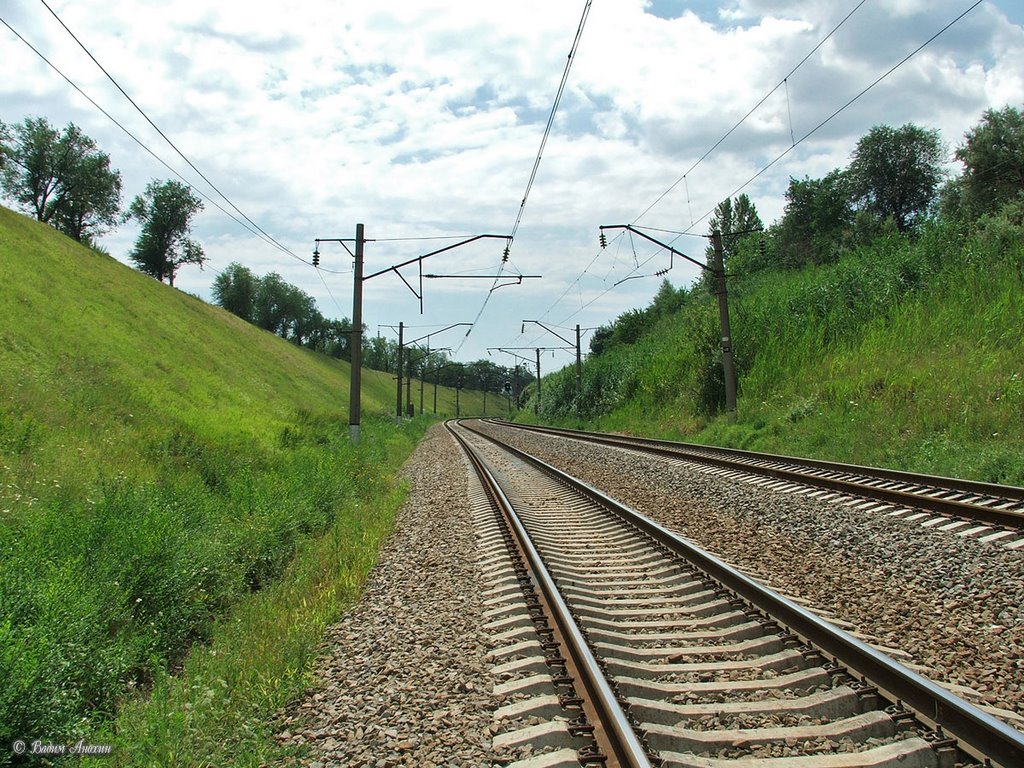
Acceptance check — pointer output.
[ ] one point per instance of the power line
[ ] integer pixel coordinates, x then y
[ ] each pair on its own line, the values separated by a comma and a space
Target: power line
703, 157
268, 238
536, 163
843, 108
782, 155
753, 109
129, 134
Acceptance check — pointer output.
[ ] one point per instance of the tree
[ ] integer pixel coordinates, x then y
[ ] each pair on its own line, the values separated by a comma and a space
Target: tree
818, 213
895, 173
235, 288
736, 219
61, 177
165, 210
993, 158
90, 203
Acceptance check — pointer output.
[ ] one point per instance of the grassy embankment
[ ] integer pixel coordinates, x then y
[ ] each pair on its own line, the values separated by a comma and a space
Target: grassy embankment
903, 354
181, 512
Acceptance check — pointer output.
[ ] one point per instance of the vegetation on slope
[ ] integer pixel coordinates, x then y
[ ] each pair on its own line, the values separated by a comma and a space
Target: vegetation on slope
872, 345
171, 475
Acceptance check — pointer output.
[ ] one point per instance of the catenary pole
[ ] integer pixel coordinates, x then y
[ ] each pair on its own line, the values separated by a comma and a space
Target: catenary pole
398, 368
728, 368
355, 383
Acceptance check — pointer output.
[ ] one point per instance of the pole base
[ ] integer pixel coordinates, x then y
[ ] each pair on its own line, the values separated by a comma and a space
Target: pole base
353, 433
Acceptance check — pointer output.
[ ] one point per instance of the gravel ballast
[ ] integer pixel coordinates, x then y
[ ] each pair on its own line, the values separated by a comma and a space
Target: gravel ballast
404, 678
952, 605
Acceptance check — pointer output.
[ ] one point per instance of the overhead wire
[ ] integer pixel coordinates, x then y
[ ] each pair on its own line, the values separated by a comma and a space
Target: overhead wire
536, 165
818, 127
751, 111
268, 238
710, 150
127, 132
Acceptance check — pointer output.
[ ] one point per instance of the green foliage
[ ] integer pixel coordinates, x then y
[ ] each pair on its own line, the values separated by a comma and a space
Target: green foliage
172, 481
61, 177
895, 173
234, 289
735, 219
993, 158
165, 211
818, 215
905, 352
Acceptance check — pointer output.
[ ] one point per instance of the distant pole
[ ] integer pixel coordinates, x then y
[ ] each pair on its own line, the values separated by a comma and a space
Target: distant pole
437, 373
398, 368
423, 376
458, 389
723, 315
515, 386
408, 388
579, 374
536, 404
355, 386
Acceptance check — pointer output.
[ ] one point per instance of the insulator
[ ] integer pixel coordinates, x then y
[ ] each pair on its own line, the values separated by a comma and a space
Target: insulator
316, 258
504, 255
604, 240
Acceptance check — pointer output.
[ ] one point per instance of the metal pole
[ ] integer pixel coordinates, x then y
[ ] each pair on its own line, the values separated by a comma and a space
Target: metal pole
536, 403
408, 388
355, 385
723, 315
436, 374
423, 376
579, 374
398, 368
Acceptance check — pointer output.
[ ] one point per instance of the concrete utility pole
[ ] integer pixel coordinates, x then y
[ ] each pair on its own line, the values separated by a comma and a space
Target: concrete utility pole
723, 317
398, 369
355, 386
355, 382
536, 403
717, 270
579, 357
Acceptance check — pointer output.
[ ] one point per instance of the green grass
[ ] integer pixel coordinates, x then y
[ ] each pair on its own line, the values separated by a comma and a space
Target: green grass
903, 354
181, 511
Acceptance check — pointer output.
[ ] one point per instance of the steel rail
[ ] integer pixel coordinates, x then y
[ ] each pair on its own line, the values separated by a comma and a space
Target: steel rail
618, 733
985, 736
735, 459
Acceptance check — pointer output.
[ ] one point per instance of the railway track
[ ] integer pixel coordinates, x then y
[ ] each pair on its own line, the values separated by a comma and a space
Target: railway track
992, 512
663, 655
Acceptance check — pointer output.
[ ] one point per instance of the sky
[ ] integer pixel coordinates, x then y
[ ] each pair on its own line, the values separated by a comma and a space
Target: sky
424, 119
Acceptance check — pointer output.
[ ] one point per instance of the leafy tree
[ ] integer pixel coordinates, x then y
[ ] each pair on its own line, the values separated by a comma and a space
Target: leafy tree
668, 300
235, 288
165, 210
895, 173
90, 204
817, 215
993, 158
735, 219
61, 177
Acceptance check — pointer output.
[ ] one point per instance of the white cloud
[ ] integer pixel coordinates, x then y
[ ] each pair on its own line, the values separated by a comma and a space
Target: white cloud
423, 118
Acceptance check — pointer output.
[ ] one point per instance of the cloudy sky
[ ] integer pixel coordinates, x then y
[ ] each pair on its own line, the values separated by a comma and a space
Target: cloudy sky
423, 118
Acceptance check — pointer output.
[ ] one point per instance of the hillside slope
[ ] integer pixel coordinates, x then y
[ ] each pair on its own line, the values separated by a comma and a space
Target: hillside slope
905, 353
164, 465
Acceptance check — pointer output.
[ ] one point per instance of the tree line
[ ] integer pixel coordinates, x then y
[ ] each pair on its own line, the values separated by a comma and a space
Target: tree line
271, 303
893, 186
63, 179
